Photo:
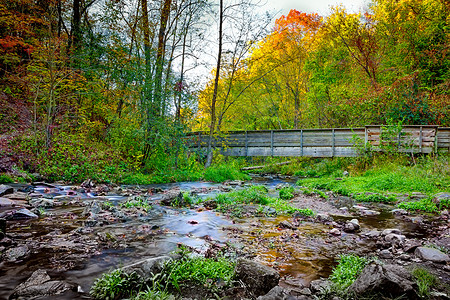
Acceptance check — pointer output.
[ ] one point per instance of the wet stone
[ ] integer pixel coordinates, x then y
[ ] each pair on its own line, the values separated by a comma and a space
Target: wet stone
5, 202
386, 254
431, 254
259, 279
39, 284
369, 212
319, 285
335, 232
391, 231
5, 190
286, 225
15, 254
394, 239
21, 214
399, 212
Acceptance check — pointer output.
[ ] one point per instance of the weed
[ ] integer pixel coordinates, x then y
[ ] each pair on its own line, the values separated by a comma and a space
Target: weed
444, 203
4, 178
204, 271
151, 294
348, 268
115, 285
137, 201
425, 280
286, 193
426, 205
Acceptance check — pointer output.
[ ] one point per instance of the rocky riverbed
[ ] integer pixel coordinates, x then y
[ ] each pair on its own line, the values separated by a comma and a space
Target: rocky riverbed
56, 239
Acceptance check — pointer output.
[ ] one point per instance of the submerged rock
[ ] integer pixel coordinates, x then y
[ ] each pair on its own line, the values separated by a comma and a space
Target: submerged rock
388, 280
39, 284
431, 254
259, 279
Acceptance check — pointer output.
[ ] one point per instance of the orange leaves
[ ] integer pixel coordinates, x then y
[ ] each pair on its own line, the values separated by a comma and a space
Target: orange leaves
297, 22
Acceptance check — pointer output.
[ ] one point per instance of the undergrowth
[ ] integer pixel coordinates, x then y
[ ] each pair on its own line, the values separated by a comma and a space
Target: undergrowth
348, 268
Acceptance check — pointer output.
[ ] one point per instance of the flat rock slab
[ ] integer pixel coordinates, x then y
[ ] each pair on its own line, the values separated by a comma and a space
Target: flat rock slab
431, 254
5, 202
18, 253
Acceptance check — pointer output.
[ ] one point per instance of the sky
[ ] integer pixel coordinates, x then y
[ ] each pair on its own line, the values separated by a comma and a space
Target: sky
322, 7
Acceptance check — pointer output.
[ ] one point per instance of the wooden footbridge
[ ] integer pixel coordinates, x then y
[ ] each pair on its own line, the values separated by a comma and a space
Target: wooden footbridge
334, 142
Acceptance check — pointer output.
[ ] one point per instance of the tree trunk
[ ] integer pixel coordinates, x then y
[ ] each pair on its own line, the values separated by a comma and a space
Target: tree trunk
216, 84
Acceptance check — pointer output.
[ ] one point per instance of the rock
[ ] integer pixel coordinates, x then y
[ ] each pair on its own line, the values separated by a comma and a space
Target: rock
210, 204
417, 196
5, 190
2, 228
373, 234
42, 202
324, 218
277, 293
5, 202
386, 254
39, 284
388, 280
235, 183
395, 239
148, 266
286, 225
436, 198
21, 214
259, 279
390, 231
19, 196
282, 186
411, 245
359, 207
335, 232
352, 226
345, 174
431, 254
320, 285
15, 254
173, 198
369, 212
399, 212
417, 220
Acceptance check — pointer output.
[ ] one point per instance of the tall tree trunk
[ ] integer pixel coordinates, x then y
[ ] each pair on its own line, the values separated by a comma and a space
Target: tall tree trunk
76, 25
159, 102
216, 84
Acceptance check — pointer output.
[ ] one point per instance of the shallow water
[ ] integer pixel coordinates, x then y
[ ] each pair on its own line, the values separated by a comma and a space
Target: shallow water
300, 256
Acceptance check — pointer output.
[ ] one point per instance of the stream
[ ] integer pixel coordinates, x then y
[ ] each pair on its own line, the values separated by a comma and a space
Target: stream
72, 247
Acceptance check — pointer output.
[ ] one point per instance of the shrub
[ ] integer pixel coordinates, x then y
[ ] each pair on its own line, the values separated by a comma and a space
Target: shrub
222, 173
286, 193
5, 178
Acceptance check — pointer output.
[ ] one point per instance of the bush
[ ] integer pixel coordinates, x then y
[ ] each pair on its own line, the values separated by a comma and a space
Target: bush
222, 173
286, 193
5, 178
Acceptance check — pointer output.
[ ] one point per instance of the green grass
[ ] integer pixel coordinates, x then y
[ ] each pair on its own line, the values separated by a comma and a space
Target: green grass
286, 193
425, 281
425, 205
4, 178
233, 203
206, 272
348, 268
115, 285
139, 202
221, 173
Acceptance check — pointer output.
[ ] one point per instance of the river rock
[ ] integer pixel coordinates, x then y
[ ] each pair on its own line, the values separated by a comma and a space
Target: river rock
173, 198
351, 226
320, 285
17, 253
411, 245
369, 212
5, 190
148, 266
21, 214
399, 212
39, 284
391, 231
286, 225
5, 202
324, 218
431, 254
335, 232
395, 239
259, 279
441, 196
388, 280
386, 254
42, 202
277, 293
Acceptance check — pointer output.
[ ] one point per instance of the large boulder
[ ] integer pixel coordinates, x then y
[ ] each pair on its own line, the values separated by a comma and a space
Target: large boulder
39, 284
388, 280
431, 254
259, 279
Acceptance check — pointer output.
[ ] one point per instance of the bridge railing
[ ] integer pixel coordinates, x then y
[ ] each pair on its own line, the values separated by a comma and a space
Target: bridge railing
330, 142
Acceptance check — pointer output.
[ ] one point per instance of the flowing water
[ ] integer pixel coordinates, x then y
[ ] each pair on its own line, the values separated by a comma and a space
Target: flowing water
298, 255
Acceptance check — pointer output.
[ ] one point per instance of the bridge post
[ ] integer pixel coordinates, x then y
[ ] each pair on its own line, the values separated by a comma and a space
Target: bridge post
246, 143
271, 143
301, 142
